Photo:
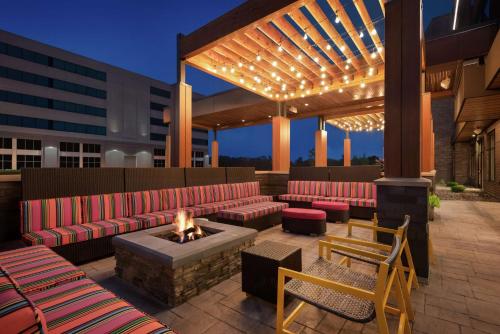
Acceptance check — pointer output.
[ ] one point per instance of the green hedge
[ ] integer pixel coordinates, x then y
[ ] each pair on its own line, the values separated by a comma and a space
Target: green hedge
458, 188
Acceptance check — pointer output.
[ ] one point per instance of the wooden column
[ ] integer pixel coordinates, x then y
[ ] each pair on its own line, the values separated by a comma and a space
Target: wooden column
403, 67
426, 134
181, 127
281, 143
168, 151
215, 151
347, 150
321, 144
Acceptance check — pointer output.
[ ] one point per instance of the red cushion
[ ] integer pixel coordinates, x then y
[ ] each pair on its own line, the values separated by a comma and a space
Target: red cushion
334, 206
306, 214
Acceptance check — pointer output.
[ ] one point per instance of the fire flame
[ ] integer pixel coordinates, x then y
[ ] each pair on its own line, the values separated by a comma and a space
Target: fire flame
184, 222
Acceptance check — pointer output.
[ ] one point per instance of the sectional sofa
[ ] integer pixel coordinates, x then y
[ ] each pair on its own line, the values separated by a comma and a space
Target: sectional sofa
80, 228
40, 292
361, 196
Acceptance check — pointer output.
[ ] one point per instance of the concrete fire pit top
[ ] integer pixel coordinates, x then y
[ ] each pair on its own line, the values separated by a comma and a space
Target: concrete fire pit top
146, 243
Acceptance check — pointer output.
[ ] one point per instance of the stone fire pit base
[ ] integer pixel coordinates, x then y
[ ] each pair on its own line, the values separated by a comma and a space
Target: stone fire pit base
175, 272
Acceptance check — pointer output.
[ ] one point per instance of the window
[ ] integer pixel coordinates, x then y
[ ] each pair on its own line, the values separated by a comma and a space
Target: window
29, 161
35, 57
201, 142
91, 148
69, 147
39, 123
159, 152
42, 102
157, 136
40, 80
491, 156
69, 162
6, 143
157, 106
5, 161
199, 154
157, 121
199, 163
159, 92
158, 163
91, 162
29, 144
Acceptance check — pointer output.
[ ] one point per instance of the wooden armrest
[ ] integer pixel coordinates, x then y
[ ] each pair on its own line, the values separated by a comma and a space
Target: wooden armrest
358, 242
329, 246
373, 228
360, 293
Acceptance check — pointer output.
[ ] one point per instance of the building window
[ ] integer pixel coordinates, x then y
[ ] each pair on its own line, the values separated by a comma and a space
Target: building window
157, 137
157, 121
159, 163
157, 106
91, 162
5, 161
201, 142
491, 156
159, 157
29, 144
159, 152
69, 147
29, 161
40, 123
91, 148
199, 163
6, 143
69, 162
159, 92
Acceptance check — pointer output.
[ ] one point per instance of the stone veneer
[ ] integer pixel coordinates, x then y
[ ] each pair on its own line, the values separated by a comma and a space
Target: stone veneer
175, 272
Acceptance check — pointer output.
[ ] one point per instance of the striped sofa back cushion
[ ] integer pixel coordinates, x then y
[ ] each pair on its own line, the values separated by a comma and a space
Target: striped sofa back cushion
221, 192
253, 188
17, 313
104, 207
141, 202
238, 190
365, 190
45, 214
176, 198
317, 188
202, 194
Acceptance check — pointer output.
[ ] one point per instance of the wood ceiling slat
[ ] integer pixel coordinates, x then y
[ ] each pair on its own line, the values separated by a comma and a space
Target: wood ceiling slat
302, 21
345, 20
382, 7
370, 27
332, 32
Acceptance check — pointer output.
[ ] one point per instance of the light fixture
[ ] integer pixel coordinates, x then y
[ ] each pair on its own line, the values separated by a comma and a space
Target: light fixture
283, 87
325, 88
346, 66
374, 55
259, 58
232, 70
323, 69
373, 32
370, 71
280, 48
380, 48
292, 68
240, 64
224, 68
455, 14
292, 94
305, 36
308, 92
278, 78
323, 75
275, 63
269, 116
299, 57
363, 85
341, 90
298, 75
242, 121
286, 96
301, 86
277, 95
273, 74
349, 60
251, 67
316, 59
242, 80
322, 83
303, 82
345, 77
337, 19
361, 34
445, 84
342, 48
328, 47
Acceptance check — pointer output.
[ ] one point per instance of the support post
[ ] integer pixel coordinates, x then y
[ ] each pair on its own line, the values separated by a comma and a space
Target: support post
215, 151
402, 191
347, 150
281, 140
168, 151
426, 134
321, 144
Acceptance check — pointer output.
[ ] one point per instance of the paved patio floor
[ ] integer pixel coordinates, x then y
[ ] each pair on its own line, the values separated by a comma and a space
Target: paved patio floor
463, 295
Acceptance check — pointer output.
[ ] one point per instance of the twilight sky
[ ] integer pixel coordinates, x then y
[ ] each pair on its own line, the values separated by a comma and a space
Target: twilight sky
140, 36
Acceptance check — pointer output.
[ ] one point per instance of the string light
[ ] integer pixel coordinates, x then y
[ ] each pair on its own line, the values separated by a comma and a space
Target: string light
242, 80
374, 55
292, 69
252, 68
299, 57
240, 64
303, 82
259, 58
232, 70
342, 48
323, 69
361, 35
374, 31
363, 85
305, 36
346, 67
328, 47
341, 90
316, 59
337, 20
298, 75
275, 63
280, 48
323, 75
224, 68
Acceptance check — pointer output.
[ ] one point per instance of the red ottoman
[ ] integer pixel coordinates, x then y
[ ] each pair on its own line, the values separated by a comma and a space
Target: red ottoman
304, 221
335, 211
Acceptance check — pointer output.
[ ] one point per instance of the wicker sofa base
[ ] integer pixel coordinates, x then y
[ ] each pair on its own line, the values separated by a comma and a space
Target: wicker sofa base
360, 212
86, 251
259, 224
304, 226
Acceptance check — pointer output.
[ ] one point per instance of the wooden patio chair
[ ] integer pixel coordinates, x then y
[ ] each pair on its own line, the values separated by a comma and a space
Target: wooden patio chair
408, 273
350, 294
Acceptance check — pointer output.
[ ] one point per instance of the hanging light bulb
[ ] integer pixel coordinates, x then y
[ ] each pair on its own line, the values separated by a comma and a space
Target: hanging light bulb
298, 75
242, 80
323, 69
280, 48
346, 66
316, 59
259, 58
363, 85
292, 69
251, 67
374, 55
328, 47
240, 64
323, 75
337, 20
349, 60
299, 57
303, 82
301, 86
275, 63
341, 90
361, 35
292, 94
305, 36
342, 48
273, 74
373, 32
224, 68
232, 70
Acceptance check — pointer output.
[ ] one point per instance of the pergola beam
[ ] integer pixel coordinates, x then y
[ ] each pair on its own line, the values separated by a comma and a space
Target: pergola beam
249, 14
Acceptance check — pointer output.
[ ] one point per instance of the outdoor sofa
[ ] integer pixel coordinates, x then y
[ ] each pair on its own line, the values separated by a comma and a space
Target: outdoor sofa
40, 292
80, 228
361, 196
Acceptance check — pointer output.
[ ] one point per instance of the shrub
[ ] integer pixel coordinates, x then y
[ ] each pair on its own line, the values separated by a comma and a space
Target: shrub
458, 188
452, 184
434, 201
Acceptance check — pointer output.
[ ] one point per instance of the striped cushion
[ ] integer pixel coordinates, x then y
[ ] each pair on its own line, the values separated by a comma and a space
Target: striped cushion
42, 214
210, 208
17, 313
369, 203
154, 219
103, 207
145, 201
176, 198
85, 307
366, 190
195, 211
340, 189
202, 194
302, 198
38, 268
253, 188
252, 211
238, 190
221, 192
119, 226
255, 199
317, 188
64, 235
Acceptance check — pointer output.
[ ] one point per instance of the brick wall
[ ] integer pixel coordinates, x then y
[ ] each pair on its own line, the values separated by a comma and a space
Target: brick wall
444, 129
462, 154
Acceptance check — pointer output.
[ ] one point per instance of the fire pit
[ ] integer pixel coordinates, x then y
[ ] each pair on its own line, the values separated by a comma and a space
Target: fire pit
186, 230
176, 262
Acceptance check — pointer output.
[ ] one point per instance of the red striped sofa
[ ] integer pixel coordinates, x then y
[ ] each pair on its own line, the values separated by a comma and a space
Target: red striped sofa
80, 228
40, 292
361, 196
